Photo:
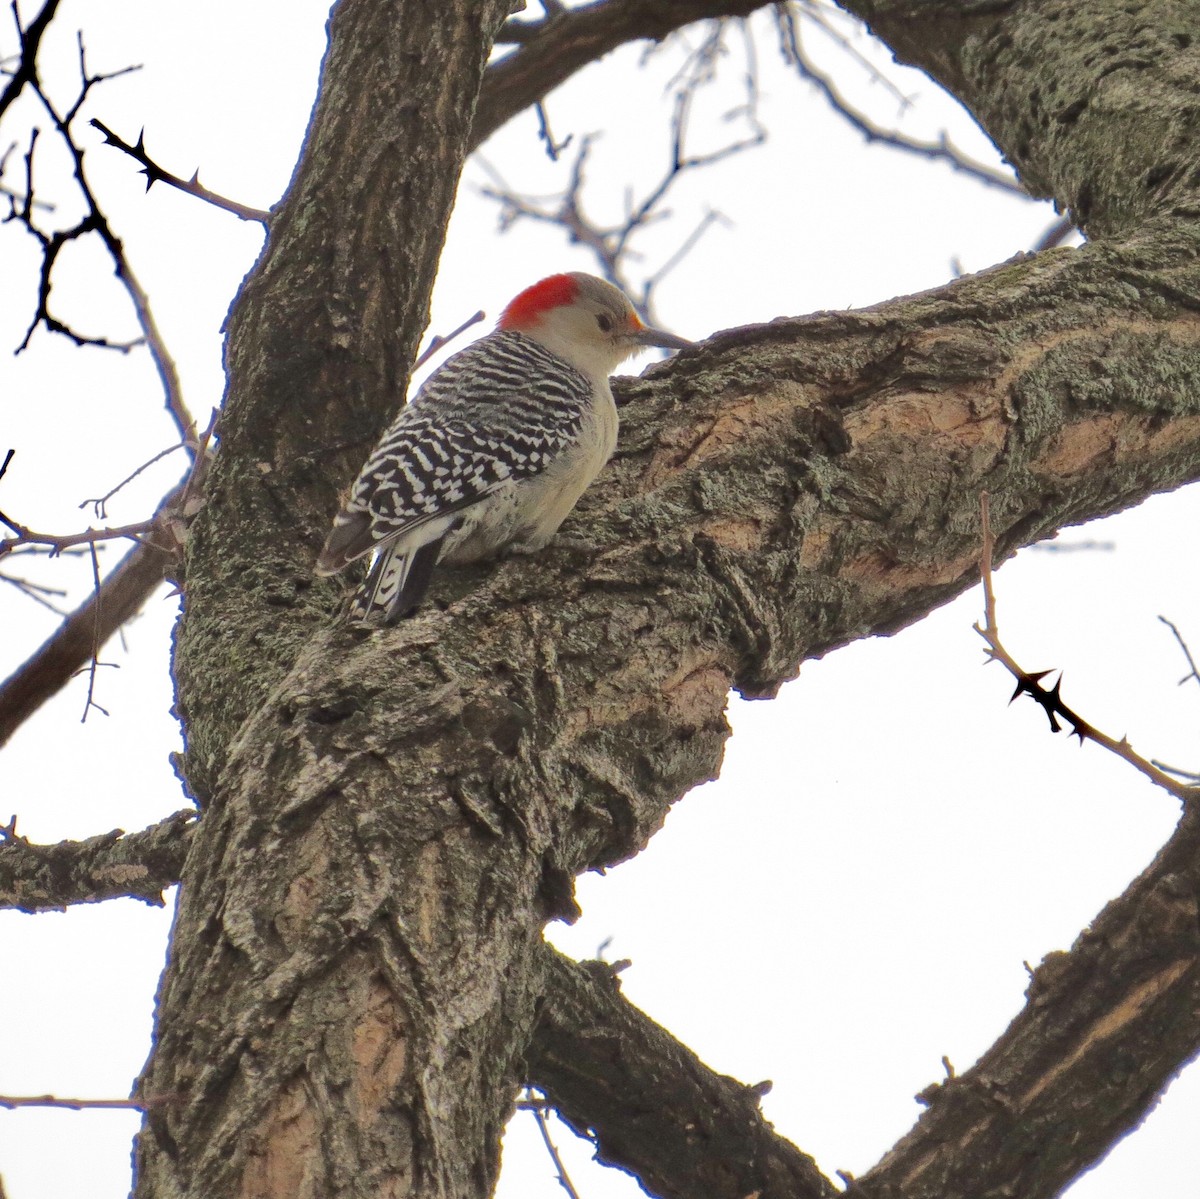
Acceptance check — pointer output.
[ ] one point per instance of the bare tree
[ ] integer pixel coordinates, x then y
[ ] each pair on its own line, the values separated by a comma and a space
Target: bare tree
357, 986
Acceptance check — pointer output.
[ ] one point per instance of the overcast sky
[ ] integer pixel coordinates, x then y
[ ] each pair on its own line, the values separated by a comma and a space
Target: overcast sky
888, 843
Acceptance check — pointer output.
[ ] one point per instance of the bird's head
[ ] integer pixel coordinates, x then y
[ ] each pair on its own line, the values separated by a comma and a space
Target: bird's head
585, 321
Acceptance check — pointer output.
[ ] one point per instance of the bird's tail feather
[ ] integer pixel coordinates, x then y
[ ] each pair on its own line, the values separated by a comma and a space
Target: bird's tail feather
396, 585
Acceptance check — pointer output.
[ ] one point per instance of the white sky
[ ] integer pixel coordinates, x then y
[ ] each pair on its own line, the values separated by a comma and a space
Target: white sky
888, 842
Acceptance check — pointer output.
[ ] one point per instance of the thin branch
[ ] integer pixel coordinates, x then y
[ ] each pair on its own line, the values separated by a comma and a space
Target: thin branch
438, 340
549, 51
122, 594
165, 524
685, 247
1050, 699
100, 503
82, 1105
612, 245
115, 865
1055, 234
35, 592
140, 530
52, 244
1192, 673
822, 19
96, 222
31, 38
1188, 776
553, 148
192, 187
564, 1179
941, 149
16, 198
94, 663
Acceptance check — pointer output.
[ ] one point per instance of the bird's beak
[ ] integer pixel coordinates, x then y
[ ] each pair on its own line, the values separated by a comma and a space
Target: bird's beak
643, 336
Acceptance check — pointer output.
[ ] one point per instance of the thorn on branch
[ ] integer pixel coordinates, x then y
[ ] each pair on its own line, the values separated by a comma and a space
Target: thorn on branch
158, 174
1050, 699
95, 221
1051, 703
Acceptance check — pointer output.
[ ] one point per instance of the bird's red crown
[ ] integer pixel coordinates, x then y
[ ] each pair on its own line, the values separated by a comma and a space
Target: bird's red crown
549, 293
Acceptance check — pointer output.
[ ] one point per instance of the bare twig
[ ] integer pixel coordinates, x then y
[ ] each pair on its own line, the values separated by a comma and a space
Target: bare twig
99, 504
1189, 776
612, 244
553, 148
94, 221
94, 664
57, 542
550, 51
192, 187
1187, 653
822, 19
52, 245
36, 592
1055, 234
438, 340
82, 1105
30, 37
1049, 699
122, 594
18, 198
539, 1114
941, 149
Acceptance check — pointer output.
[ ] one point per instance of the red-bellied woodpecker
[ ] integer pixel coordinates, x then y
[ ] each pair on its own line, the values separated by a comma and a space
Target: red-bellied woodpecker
496, 447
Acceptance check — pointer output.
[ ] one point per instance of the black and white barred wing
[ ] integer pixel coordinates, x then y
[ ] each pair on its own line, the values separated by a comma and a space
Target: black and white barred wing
476, 425
420, 478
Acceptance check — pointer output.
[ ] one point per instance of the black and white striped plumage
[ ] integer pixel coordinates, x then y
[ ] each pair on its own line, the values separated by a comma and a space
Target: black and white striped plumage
494, 450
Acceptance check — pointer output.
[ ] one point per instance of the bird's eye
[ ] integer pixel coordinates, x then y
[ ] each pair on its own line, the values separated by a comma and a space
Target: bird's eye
605, 322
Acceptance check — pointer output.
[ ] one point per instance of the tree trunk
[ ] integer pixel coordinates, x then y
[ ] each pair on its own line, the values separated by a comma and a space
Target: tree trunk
390, 818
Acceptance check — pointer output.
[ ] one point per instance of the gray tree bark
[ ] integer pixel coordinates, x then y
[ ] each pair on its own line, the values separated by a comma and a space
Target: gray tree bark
390, 819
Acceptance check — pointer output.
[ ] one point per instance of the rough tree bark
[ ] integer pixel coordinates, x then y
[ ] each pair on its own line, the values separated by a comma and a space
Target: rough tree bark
390, 819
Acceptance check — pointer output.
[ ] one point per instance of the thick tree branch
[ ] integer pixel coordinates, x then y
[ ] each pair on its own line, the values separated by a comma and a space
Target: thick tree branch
116, 865
588, 34
649, 1103
395, 815
411, 805
1105, 1029
656, 1110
